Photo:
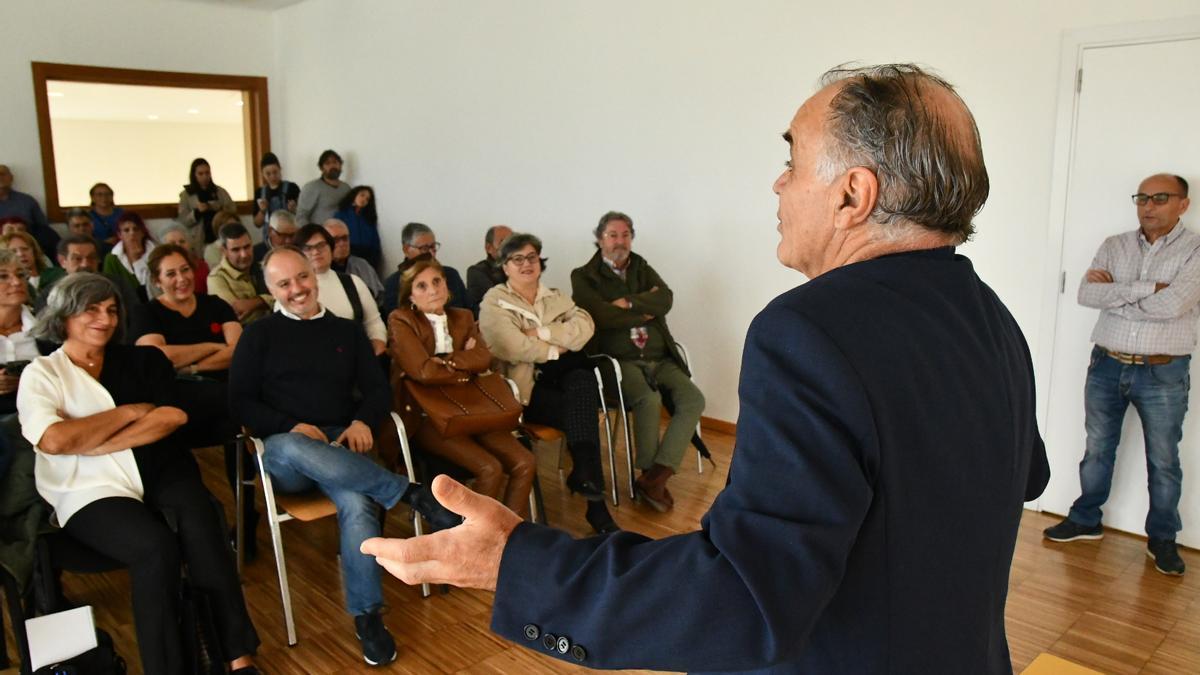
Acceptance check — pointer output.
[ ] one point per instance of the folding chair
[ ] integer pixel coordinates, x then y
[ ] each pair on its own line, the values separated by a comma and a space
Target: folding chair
622, 409
307, 506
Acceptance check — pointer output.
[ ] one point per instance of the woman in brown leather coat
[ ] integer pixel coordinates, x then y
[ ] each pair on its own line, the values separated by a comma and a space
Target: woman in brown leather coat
435, 344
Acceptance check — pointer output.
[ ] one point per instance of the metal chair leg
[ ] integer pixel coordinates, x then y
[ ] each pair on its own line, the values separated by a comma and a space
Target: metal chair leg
240, 518
406, 451
285, 594
612, 455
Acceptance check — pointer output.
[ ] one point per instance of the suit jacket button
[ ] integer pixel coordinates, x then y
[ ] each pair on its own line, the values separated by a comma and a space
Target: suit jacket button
564, 645
578, 653
550, 642
532, 632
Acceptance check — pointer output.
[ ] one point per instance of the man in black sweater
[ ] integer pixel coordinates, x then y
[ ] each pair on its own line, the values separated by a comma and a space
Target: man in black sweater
309, 383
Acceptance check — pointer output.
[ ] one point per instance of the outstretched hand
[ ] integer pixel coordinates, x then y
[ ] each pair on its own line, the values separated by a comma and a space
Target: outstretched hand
467, 556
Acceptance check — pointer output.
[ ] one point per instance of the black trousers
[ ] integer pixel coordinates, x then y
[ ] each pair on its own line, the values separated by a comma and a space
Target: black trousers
135, 533
569, 402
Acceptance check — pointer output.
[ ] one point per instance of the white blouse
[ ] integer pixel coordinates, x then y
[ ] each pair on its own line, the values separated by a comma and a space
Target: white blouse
54, 389
19, 346
333, 298
442, 342
138, 268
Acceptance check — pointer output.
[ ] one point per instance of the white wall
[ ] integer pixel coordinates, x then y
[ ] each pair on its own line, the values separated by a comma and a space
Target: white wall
544, 114
146, 34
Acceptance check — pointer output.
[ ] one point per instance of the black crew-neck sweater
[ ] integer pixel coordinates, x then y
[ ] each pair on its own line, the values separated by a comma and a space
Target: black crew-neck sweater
320, 371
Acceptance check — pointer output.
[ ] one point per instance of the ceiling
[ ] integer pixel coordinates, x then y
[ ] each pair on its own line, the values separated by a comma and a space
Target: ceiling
265, 5
120, 102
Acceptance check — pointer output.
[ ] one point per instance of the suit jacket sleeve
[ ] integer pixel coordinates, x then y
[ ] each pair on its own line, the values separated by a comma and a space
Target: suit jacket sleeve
770, 553
657, 302
606, 315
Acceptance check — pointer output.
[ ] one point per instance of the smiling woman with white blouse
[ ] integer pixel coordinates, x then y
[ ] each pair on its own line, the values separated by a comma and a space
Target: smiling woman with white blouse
101, 416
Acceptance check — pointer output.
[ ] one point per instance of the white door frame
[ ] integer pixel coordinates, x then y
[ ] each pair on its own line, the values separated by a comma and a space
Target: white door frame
1070, 61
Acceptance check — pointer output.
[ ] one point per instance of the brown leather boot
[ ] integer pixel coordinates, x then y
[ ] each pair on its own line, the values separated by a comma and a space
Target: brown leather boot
651, 488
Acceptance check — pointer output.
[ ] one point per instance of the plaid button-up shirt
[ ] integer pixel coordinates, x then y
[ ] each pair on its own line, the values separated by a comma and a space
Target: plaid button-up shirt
1133, 318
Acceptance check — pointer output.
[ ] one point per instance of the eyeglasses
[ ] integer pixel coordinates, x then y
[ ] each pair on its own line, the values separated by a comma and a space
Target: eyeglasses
341, 239
1159, 198
519, 260
20, 276
428, 248
313, 248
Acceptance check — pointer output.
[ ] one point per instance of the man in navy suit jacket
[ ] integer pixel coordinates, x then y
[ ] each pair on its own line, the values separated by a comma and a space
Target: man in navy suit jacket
885, 446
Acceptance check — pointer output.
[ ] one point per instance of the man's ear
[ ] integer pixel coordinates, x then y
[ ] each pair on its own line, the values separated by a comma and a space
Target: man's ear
858, 190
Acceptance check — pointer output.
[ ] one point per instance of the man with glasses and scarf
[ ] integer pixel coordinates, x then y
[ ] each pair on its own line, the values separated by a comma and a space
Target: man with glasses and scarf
1146, 284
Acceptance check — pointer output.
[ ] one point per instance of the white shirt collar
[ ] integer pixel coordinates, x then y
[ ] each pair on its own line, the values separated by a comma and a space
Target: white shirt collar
279, 308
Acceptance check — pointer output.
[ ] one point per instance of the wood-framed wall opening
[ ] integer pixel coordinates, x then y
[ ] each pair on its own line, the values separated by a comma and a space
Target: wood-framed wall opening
255, 112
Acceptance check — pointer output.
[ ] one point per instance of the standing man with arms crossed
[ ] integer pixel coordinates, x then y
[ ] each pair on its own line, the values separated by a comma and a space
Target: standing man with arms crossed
1146, 284
629, 302
885, 446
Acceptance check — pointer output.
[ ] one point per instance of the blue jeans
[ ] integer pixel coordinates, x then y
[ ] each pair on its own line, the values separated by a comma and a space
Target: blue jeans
1160, 396
357, 485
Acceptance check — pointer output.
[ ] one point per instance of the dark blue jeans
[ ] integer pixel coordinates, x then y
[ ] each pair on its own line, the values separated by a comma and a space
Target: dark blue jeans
1160, 396
357, 485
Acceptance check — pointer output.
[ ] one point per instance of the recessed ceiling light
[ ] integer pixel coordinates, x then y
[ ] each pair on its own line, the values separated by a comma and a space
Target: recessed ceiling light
151, 117
193, 111
57, 94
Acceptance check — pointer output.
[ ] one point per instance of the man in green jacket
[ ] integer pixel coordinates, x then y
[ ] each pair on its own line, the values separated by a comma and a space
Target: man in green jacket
629, 303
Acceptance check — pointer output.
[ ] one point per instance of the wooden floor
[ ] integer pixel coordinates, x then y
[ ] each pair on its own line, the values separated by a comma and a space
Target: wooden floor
1099, 604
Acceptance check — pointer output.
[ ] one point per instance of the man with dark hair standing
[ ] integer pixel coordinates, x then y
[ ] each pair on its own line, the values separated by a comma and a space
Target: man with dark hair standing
1146, 284
487, 273
629, 303
238, 280
319, 198
886, 440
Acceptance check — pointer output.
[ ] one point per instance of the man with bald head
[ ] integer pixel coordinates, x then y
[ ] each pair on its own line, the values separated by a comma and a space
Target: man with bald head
308, 382
1146, 284
351, 264
886, 440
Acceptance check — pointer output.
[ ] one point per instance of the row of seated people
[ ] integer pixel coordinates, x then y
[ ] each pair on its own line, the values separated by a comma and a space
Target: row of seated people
534, 330
203, 204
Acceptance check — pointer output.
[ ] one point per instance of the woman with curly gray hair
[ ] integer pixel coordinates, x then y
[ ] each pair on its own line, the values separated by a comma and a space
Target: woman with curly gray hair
100, 416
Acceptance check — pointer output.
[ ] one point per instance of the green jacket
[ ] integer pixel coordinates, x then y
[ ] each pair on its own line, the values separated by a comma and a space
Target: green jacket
595, 285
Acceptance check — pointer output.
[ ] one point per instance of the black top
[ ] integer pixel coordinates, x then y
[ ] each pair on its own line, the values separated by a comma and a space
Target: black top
321, 372
133, 374
277, 198
204, 325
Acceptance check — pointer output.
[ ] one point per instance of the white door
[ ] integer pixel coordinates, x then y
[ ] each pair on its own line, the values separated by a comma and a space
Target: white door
1138, 114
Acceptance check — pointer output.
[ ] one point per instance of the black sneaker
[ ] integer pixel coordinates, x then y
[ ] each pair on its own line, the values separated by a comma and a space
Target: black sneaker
377, 644
423, 502
1166, 557
1069, 530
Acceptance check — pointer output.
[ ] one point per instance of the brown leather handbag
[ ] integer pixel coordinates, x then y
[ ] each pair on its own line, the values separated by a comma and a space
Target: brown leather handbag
485, 403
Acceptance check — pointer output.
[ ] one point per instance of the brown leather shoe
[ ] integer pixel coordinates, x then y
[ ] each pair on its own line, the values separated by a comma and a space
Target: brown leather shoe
651, 488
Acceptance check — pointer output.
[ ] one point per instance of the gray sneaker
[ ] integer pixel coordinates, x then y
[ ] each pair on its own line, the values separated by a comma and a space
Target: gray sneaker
1069, 530
1166, 557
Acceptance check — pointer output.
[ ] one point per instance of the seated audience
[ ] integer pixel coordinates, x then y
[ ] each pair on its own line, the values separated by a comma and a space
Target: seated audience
320, 197
238, 279
177, 234
281, 230
344, 295
199, 201
629, 303
433, 344
487, 273
14, 203
127, 260
275, 193
101, 416
27, 252
418, 240
357, 209
345, 261
104, 214
308, 382
536, 333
